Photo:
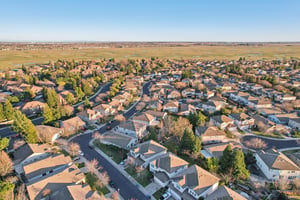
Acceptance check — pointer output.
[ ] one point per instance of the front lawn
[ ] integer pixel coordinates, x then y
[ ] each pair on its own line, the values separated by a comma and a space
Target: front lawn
159, 193
143, 177
117, 154
270, 135
96, 184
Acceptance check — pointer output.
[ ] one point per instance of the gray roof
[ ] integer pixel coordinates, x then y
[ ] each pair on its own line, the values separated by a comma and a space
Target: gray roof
170, 162
277, 160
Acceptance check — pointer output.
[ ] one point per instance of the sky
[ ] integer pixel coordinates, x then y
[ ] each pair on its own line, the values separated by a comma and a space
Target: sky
150, 20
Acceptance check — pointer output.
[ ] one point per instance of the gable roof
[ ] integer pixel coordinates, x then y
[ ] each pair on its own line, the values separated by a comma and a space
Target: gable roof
39, 167
28, 149
131, 125
170, 162
149, 148
196, 179
277, 160
224, 192
221, 119
210, 131
55, 182
145, 117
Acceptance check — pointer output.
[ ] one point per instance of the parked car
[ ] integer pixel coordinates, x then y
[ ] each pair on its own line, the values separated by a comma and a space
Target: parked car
80, 153
113, 185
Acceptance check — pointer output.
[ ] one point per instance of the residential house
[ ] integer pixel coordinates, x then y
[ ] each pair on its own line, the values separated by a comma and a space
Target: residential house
224, 192
158, 115
221, 121
186, 109
73, 192
216, 150
49, 133
210, 134
275, 165
146, 152
33, 107
173, 94
144, 118
29, 153
105, 109
242, 120
166, 167
89, 116
193, 183
171, 106
283, 118
294, 123
54, 183
118, 139
132, 128
188, 92
211, 106
72, 125
44, 167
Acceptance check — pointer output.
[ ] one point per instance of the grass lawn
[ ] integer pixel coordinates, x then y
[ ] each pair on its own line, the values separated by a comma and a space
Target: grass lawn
15, 58
117, 154
80, 165
92, 179
270, 135
159, 193
142, 177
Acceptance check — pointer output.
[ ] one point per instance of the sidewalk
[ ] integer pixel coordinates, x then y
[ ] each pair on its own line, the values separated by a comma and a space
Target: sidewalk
132, 180
84, 170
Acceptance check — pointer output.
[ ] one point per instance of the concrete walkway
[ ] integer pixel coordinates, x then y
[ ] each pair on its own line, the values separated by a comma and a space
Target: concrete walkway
132, 180
85, 170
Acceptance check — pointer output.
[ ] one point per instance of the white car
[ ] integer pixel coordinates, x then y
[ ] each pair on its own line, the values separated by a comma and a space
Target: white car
166, 195
80, 153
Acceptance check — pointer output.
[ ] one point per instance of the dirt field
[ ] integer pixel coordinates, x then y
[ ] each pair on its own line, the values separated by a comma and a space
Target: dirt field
14, 58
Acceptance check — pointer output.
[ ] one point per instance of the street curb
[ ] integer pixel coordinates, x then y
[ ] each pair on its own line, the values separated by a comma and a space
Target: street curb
129, 177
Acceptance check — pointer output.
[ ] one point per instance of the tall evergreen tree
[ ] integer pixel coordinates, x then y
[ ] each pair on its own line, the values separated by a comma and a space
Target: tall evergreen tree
47, 114
2, 114
239, 167
187, 140
8, 110
226, 160
197, 145
25, 126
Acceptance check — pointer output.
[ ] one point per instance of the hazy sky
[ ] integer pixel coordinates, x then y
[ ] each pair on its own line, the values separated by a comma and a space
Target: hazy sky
150, 20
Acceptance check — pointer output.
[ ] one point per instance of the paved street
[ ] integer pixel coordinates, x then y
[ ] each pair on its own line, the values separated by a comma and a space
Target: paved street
275, 143
127, 189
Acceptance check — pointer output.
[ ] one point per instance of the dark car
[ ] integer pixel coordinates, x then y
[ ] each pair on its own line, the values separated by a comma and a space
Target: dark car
112, 184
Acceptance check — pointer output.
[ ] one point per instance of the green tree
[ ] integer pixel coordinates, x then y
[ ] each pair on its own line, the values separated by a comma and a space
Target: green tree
51, 97
212, 164
6, 188
197, 119
28, 93
239, 167
187, 140
8, 110
86, 87
24, 126
70, 99
2, 114
87, 103
79, 93
47, 114
196, 145
226, 161
4, 142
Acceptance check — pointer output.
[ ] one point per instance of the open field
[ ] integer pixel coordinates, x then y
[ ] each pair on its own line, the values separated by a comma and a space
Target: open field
14, 58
